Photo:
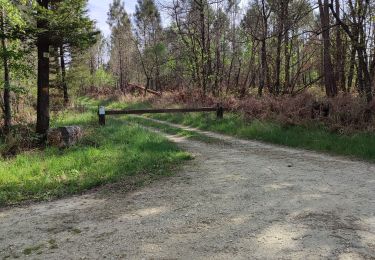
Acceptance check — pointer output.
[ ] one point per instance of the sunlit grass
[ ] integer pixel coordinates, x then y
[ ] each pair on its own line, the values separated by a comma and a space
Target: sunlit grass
105, 154
359, 145
316, 138
173, 130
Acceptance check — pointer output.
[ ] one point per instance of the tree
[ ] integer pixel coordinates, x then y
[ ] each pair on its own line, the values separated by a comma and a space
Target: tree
11, 22
329, 77
56, 30
256, 21
149, 41
43, 42
76, 32
122, 43
277, 46
355, 28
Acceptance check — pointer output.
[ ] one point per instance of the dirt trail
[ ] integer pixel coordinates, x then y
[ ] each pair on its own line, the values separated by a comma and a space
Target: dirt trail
237, 200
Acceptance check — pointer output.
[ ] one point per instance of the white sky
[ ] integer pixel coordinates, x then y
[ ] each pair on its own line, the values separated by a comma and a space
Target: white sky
98, 11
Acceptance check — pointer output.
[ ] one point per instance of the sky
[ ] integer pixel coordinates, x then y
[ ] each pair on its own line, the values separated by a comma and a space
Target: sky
98, 11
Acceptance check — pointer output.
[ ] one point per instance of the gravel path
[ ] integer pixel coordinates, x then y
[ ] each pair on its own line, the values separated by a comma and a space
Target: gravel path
237, 200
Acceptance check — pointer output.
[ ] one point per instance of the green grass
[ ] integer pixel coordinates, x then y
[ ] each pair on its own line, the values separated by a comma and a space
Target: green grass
173, 130
316, 138
360, 145
30, 250
106, 154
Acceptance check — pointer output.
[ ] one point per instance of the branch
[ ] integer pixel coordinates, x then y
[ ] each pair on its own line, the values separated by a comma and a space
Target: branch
141, 57
344, 26
2, 105
307, 85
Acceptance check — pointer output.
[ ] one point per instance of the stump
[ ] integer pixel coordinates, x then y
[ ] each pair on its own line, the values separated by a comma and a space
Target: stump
65, 136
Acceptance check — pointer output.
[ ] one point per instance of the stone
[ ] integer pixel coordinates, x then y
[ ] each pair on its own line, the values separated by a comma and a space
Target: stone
65, 136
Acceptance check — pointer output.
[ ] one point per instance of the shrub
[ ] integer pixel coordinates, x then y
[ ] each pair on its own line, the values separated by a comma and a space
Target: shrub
21, 138
345, 113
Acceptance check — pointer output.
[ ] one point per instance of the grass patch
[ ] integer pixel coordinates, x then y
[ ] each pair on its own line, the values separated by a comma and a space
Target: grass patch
360, 145
30, 250
173, 130
316, 138
106, 154
76, 231
53, 244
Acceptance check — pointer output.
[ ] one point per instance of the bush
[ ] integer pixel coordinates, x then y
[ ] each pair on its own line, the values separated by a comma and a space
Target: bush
345, 113
21, 138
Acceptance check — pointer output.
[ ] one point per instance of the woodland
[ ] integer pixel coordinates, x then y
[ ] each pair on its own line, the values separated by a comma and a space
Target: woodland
281, 129
292, 62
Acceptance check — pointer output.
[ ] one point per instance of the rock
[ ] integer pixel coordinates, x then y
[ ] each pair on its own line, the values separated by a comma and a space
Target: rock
65, 136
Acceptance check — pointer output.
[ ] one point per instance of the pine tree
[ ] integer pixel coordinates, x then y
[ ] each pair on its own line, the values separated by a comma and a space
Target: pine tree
122, 43
55, 30
149, 41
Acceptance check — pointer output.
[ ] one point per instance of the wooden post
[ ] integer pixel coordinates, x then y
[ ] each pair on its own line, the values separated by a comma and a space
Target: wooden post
219, 111
101, 113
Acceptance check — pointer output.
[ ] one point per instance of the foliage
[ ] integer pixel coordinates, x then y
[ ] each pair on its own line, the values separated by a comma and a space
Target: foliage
69, 24
344, 114
80, 79
13, 17
103, 79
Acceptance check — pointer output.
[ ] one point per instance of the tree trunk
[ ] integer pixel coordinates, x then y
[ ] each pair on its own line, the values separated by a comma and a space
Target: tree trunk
121, 78
42, 123
263, 69
208, 55
264, 79
63, 76
238, 75
351, 69
7, 107
230, 72
362, 59
250, 68
340, 54
281, 18
278, 64
287, 62
364, 72
218, 66
203, 46
329, 77
286, 22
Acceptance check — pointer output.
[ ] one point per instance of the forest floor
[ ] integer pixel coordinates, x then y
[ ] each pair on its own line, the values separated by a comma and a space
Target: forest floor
237, 199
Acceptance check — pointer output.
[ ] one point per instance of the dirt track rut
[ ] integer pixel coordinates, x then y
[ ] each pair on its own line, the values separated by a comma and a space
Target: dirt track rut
237, 200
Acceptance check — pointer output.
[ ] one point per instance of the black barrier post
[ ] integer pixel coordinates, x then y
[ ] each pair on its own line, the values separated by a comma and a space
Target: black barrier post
219, 111
101, 113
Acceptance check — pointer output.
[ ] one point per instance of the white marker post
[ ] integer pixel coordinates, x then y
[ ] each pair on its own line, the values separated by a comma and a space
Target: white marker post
101, 114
